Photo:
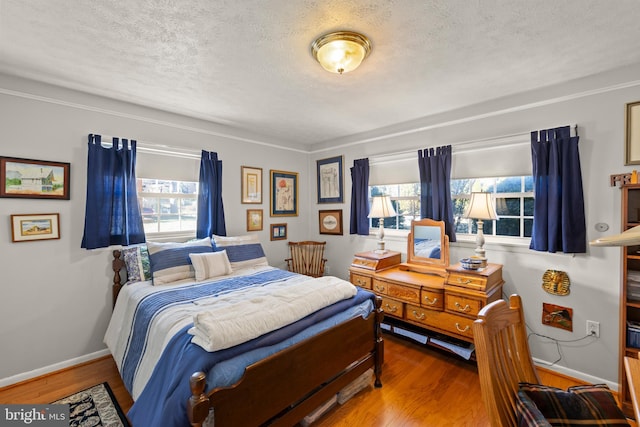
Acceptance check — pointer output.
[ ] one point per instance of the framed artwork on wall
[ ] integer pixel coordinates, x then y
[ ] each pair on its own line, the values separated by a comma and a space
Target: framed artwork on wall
254, 219
34, 179
330, 221
29, 227
330, 180
278, 231
632, 134
283, 199
251, 184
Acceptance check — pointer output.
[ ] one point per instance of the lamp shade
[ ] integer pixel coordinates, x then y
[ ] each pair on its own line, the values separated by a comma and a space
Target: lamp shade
382, 207
341, 52
481, 207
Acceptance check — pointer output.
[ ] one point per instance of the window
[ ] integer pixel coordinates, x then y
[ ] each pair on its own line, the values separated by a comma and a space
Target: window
168, 206
514, 205
405, 199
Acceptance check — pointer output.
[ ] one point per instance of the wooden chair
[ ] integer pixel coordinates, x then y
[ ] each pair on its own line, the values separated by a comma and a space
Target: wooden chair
632, 371
307, 258
504, 358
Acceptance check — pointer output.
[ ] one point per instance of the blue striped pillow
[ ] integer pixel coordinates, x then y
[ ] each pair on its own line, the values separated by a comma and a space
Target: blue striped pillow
170, 262
242, 251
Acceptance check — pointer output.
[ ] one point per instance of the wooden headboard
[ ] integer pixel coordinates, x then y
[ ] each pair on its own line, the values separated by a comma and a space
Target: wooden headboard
117, 264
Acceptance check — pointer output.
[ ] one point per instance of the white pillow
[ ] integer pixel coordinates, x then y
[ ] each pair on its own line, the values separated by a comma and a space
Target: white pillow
208, 265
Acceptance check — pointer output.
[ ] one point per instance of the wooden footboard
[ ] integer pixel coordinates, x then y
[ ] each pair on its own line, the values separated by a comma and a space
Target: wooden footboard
284, 388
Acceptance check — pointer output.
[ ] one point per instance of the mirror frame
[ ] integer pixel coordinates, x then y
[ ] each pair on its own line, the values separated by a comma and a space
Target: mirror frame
444, 245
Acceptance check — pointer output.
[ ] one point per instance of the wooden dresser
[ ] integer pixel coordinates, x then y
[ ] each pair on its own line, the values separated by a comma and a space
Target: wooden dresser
442, 300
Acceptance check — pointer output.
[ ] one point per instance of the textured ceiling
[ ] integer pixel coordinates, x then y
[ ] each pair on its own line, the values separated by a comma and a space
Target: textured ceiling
247, 63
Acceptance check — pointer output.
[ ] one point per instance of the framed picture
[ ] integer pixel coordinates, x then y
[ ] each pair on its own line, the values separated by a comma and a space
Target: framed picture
330, 221
251, 184
632, 134
330, 180
254, 219
278, 231
34, 179
25, 228
284, 193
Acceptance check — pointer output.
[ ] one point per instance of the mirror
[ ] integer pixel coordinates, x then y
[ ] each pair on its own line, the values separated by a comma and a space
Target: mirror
428, 245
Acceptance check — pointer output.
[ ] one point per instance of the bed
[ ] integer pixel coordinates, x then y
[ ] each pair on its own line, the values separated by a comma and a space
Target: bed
181, 368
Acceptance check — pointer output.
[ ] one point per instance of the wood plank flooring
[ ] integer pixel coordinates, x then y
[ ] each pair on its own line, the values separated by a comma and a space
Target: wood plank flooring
421, 387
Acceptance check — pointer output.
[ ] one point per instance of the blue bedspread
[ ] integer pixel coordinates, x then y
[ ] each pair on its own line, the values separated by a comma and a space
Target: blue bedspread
163, 400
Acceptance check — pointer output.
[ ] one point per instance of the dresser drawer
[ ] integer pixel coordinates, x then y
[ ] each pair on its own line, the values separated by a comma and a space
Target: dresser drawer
462, 305
404, 293
360, 280
467, 281
380, 287
432, 299
440, 320
392, 307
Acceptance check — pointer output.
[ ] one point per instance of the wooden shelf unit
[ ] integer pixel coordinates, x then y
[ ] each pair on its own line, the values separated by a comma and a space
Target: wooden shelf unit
629, 308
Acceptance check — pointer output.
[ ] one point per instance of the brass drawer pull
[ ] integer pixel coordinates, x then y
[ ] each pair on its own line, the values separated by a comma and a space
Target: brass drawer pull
432, 302
466, 328
391, 309
379, 288
464, 309
464, 281
420, 316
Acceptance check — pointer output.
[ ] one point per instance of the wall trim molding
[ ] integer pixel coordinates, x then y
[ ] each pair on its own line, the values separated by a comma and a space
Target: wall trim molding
25, 376
110, 112
590, 379
494, 113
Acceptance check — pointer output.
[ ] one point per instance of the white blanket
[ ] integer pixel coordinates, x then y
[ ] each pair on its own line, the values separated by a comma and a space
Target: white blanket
250, 313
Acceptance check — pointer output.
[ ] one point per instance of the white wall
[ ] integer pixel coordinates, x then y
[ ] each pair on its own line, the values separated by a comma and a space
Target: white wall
55, 298
597, 106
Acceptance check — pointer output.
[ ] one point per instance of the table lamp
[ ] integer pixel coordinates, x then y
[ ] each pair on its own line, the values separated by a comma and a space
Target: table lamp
480, 208
381, 208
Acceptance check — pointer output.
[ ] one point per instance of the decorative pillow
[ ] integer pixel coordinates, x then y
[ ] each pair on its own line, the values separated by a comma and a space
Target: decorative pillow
528, 413
136, 259
208, 265
170, 262
587, 405
243, 251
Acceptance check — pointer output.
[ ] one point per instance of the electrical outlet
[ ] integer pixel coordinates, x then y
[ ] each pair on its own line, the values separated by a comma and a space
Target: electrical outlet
593, 328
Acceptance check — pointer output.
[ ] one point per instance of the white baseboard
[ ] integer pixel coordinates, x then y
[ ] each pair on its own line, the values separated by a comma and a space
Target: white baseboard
575, 374
52, 368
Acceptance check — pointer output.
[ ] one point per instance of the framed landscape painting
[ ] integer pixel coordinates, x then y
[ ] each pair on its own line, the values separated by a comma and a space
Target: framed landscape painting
25, 228
284, 193
330, 180
330, 221
34, 179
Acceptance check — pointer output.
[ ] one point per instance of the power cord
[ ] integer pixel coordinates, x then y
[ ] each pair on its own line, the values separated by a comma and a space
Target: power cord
557, 342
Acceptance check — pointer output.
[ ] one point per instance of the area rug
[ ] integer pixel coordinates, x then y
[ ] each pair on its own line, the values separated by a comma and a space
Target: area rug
95, 406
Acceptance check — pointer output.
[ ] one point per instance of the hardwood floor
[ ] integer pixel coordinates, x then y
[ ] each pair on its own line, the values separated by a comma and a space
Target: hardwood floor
421, 387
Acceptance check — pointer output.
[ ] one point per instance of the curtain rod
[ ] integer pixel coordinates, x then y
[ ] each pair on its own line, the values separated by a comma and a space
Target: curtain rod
154, 148
507, 140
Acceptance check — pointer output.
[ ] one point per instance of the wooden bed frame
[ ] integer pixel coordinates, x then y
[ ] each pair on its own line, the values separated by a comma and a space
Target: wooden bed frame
285, 387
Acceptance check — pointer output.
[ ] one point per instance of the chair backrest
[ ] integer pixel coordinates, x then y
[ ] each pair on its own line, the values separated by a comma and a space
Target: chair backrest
504, 359
307, 258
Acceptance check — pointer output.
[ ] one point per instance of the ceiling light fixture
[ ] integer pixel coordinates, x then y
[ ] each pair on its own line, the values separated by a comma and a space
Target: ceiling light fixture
341, 52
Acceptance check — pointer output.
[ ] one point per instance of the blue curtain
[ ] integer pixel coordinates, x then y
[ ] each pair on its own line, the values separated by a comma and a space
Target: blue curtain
210, 208
112, 214
435, 187
360, 197
558, 216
